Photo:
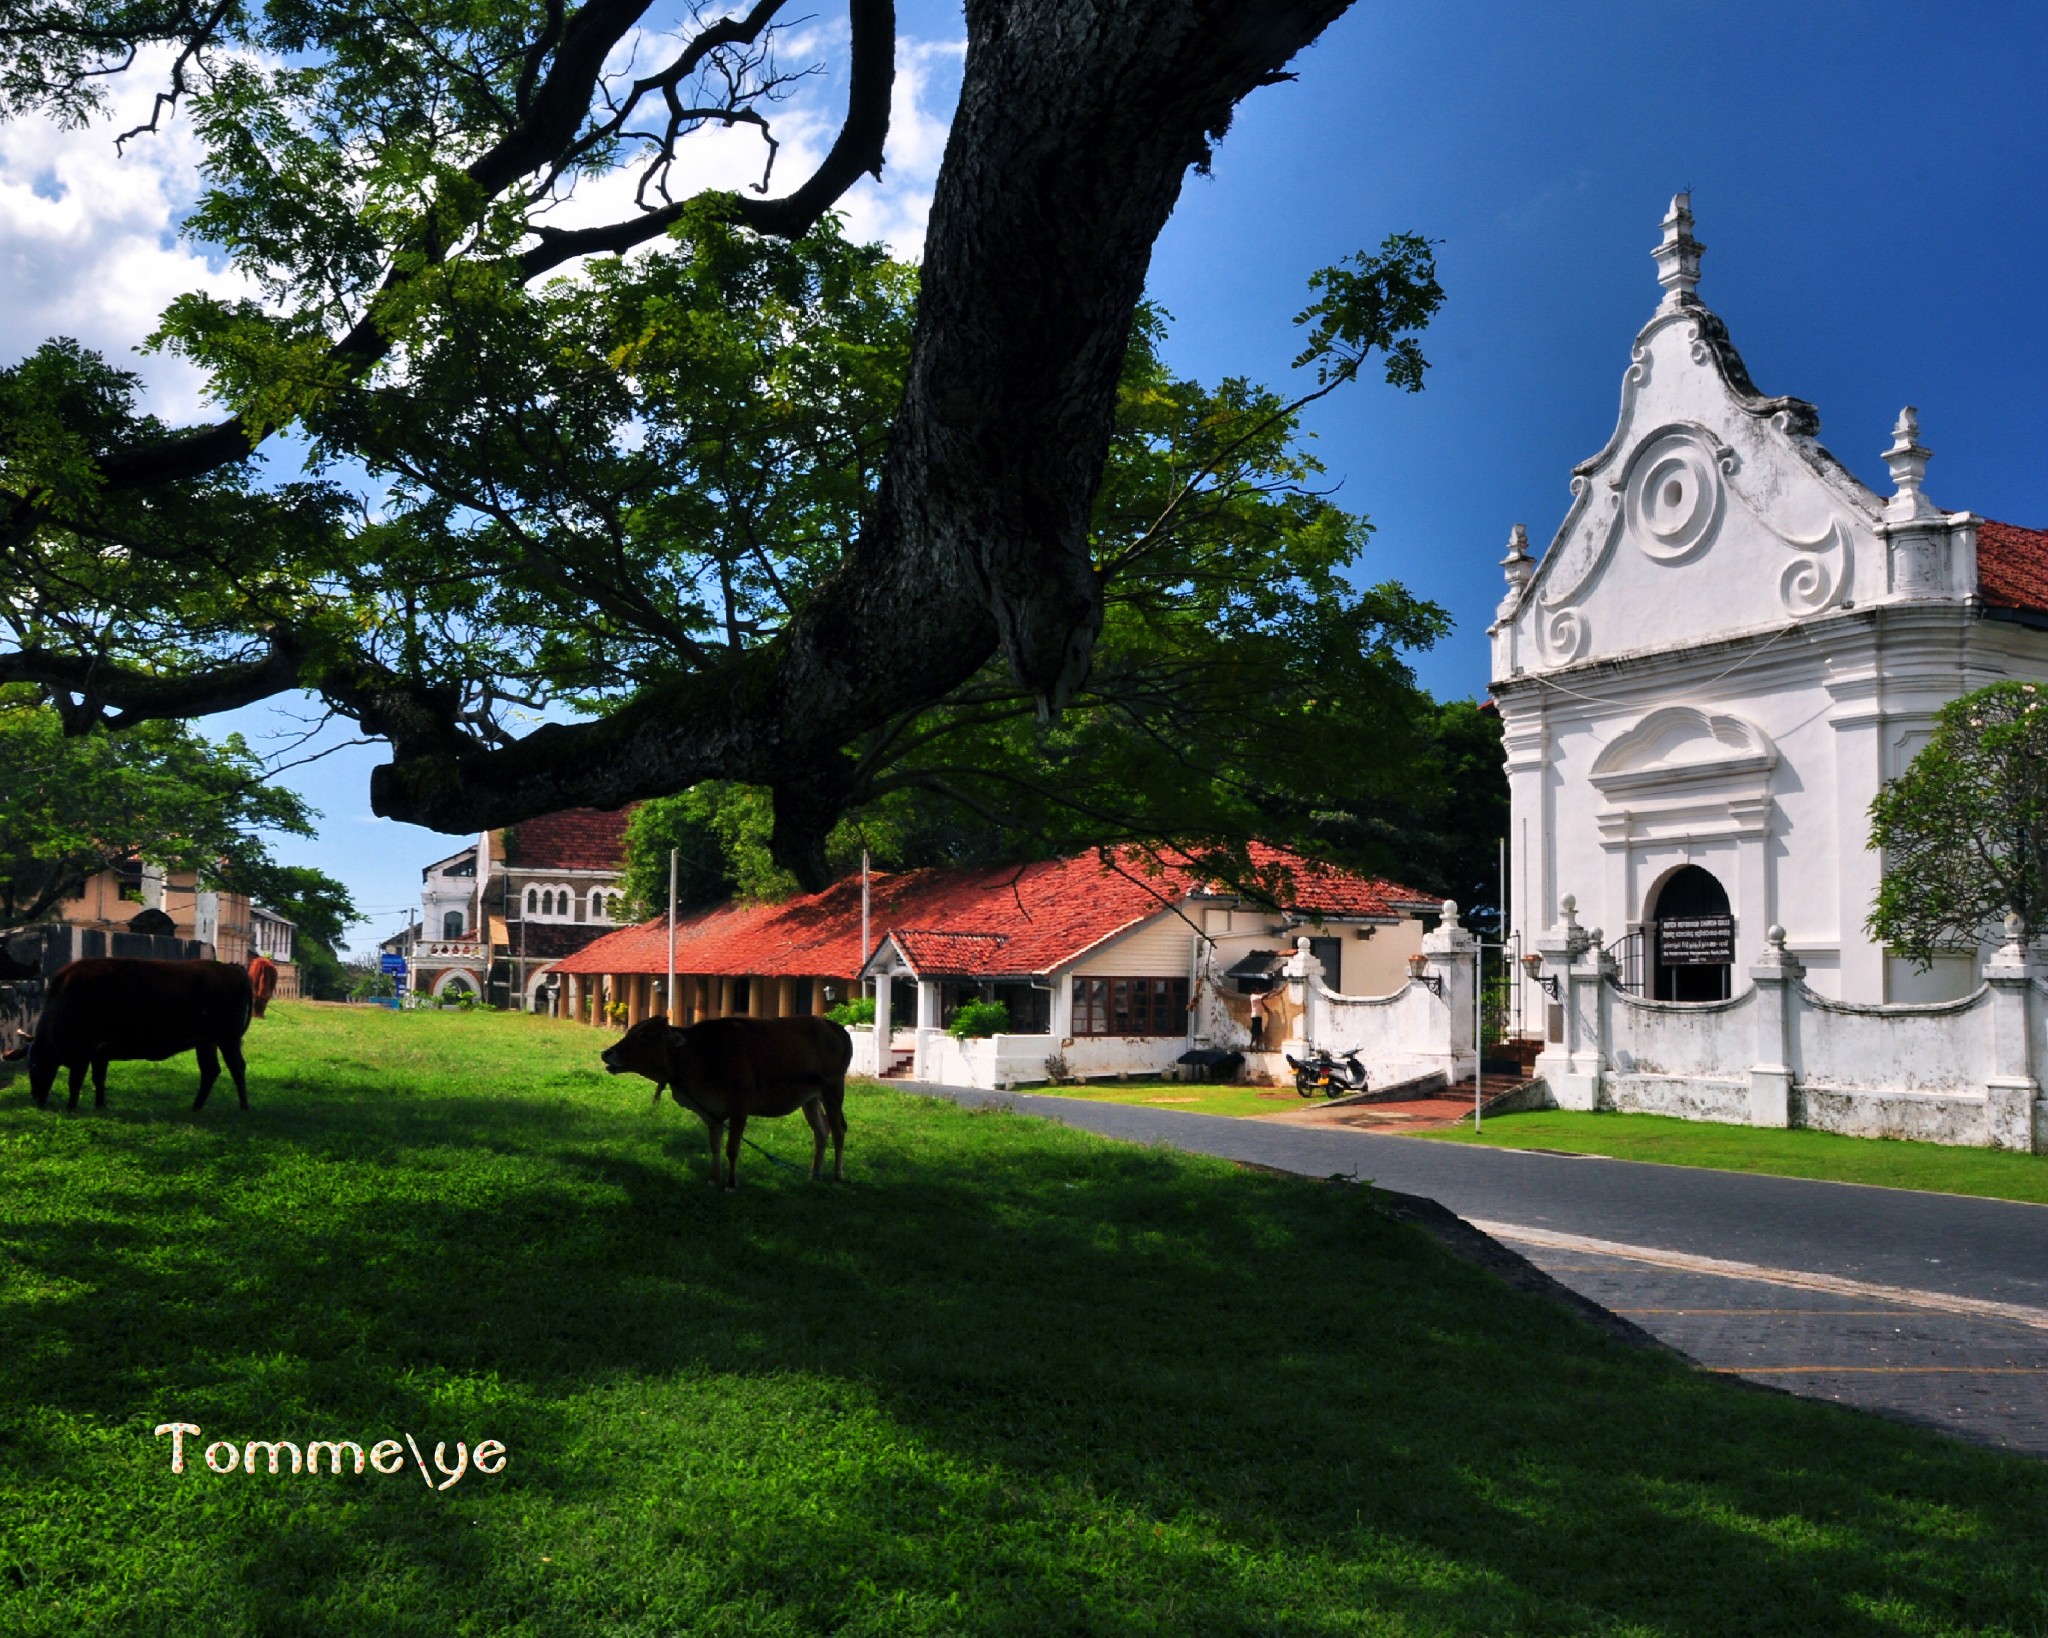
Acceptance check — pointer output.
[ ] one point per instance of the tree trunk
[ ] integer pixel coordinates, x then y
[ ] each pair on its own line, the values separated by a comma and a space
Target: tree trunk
1076, 125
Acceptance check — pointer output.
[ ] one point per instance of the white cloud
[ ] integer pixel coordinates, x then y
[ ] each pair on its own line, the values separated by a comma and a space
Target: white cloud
927, 87
87, 237
89, 245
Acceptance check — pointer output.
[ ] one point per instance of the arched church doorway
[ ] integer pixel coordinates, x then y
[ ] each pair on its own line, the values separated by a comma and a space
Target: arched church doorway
1692, 938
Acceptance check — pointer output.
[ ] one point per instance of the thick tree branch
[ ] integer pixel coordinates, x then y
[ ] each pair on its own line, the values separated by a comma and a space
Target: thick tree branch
89, 687
1075, 127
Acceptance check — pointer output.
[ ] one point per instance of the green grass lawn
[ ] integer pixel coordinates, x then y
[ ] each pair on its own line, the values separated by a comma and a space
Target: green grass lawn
2000, 1174
1011, 1378
1194, 1097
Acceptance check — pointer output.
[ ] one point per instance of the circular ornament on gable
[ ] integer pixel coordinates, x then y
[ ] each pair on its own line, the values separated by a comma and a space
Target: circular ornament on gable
1674, 497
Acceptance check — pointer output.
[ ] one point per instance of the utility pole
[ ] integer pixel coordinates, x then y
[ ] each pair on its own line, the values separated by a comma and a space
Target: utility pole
668, 996
1478, 1042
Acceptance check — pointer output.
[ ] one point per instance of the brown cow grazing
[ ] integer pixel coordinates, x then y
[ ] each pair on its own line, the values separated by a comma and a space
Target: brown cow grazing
727, 1071
262, 981
121, 1007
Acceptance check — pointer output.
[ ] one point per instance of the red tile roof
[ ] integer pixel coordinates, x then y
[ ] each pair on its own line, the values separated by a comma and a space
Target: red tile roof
934, 954
2012, 566
1005, 919
574, 839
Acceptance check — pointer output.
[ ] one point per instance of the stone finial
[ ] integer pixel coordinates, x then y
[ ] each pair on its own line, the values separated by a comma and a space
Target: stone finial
1678, 257
1569, 904
1450, 915
2013, 960
1518, 565
1908, 463
1777, 964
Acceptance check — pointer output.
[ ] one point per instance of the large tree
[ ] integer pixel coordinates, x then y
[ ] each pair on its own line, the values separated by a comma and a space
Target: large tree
1242, 683
386, 175
1964, 830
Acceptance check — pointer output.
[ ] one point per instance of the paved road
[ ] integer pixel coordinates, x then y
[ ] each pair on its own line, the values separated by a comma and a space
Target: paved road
1929, 1306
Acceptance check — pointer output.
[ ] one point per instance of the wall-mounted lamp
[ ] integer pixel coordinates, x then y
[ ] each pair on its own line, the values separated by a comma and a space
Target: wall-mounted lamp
1419, 973
1548, 981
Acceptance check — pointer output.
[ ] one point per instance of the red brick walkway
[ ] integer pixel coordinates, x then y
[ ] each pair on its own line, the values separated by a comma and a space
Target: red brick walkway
1410, 1115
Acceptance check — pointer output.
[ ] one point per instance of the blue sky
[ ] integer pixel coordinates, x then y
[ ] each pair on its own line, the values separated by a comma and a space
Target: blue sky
1869, 181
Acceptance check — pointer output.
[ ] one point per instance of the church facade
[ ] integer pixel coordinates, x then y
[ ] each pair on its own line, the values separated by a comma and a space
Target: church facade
1727, 649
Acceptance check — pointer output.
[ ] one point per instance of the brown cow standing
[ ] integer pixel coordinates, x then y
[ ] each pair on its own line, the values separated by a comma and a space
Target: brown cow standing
730, 1070
262, 982
122, 1007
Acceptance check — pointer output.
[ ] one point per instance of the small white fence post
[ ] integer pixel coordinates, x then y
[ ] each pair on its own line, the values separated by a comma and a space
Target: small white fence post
2010, 1090
1776, 977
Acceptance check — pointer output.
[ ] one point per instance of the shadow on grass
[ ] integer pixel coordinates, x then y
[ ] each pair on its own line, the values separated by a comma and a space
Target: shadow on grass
1009, 1378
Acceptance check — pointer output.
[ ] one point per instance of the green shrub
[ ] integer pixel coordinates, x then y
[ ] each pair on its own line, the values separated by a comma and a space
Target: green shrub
980, 1018
860, 1010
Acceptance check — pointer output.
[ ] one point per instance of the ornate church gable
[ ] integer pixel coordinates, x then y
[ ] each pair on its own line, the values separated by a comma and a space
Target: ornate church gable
1714, 511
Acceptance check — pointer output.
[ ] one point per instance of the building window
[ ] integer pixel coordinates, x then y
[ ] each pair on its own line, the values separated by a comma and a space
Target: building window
532, 902
1130, 1006
451, 924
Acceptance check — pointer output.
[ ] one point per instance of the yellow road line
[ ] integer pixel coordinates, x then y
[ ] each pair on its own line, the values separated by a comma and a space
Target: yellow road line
1940, 1302
1877, 1370
1831, 1313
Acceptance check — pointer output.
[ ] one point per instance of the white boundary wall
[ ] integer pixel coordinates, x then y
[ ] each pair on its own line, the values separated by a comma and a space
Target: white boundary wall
1962, 1072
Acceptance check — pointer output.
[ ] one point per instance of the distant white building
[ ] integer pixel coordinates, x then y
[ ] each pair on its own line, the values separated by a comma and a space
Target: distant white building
496, 915
1729, 646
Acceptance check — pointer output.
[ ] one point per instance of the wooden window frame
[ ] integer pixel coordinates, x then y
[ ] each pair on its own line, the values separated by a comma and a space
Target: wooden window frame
1111, 1007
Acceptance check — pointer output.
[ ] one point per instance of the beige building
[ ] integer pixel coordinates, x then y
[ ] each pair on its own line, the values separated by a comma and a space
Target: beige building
230, 923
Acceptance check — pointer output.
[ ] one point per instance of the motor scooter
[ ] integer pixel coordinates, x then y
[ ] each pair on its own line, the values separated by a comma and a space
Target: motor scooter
1319, 1072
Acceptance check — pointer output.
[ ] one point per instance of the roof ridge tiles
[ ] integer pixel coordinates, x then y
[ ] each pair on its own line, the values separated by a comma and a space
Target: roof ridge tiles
1022, 920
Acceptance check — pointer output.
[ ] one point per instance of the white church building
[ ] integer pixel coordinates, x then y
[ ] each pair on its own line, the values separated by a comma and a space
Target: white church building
1729, 646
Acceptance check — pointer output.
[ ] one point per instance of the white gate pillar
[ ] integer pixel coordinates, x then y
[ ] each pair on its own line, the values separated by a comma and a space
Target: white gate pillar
1776, 976
1450, 950
1575, 1051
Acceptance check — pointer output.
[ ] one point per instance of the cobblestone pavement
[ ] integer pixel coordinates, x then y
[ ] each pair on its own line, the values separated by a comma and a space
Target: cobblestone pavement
1933, 1308
1979, 1375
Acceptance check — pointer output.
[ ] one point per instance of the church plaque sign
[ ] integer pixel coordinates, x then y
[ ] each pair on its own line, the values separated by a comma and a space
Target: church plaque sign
1696, 941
